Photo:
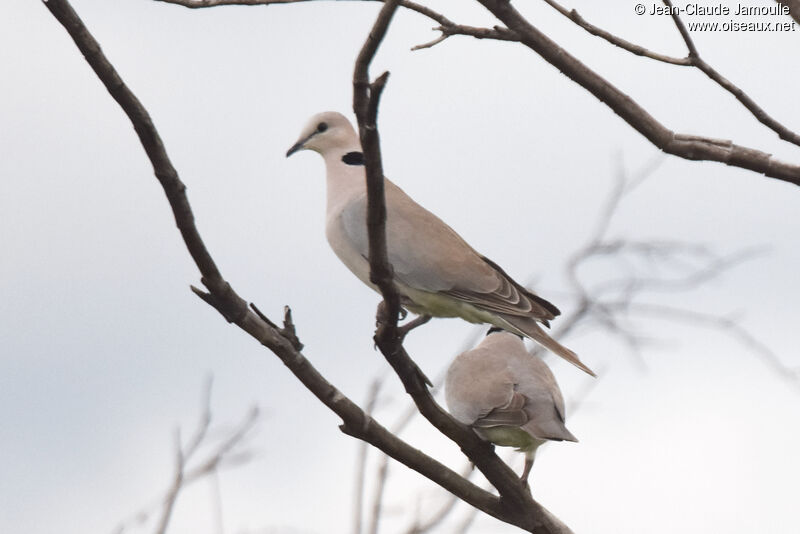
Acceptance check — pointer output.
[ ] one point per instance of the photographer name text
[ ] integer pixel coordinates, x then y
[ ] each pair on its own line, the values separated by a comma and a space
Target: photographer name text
718, 10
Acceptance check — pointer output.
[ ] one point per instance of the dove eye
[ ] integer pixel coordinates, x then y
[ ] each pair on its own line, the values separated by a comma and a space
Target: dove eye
321, 127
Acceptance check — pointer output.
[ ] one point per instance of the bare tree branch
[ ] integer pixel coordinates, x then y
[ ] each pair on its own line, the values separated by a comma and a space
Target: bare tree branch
515, 505
175, 488
519, 507
407, 4
726, 324
498, 33
361, 463
686, 146
695, 59
691, 147
184, 475
638, 50
692, 60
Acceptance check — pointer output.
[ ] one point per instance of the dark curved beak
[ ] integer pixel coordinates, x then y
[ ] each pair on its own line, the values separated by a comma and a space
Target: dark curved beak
298, 145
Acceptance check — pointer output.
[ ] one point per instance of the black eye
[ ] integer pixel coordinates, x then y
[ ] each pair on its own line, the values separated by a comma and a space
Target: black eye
321, 127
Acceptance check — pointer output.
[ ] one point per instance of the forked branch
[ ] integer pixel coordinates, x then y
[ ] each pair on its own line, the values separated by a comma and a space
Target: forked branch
221, 295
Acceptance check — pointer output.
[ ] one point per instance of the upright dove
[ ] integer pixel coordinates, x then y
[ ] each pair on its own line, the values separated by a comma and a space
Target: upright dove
507, 396
435, 271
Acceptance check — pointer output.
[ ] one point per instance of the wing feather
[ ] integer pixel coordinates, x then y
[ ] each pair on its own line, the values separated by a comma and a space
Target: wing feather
427, 255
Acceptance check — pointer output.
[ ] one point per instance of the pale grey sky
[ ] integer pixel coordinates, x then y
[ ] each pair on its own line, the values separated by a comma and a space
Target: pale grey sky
103, 348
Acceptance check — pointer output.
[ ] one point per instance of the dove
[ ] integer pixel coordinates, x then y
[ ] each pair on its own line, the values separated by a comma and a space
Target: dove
508, 396
436, 272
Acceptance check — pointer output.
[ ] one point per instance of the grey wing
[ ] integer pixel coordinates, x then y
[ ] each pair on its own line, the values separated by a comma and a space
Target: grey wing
511, 414
426, 254
545, 402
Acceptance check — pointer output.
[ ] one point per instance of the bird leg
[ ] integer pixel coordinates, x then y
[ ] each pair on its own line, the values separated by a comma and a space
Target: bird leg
529, 457
526, 470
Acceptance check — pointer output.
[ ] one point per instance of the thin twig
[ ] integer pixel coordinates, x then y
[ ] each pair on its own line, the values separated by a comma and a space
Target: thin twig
198, 4
223, 453
682, 29
692, 60
694, 56
693, 317
174, 490
361, 462
687, 147
638, 50
498, 33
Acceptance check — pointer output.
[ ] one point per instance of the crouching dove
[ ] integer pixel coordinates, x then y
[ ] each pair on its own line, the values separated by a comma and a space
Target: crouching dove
435, 271
508, 396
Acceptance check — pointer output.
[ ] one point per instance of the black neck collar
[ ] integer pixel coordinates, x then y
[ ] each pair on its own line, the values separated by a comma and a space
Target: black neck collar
353, 158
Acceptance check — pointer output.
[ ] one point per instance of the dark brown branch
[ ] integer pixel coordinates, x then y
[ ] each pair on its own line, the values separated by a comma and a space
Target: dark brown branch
685, 146
692, 60
694, 57
365, 104
517, 505
355, 422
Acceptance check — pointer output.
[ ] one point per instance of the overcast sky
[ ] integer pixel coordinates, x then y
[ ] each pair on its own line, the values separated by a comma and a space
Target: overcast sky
104, 350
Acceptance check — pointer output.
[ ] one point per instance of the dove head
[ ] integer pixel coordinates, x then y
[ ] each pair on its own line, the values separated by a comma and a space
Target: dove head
329, 134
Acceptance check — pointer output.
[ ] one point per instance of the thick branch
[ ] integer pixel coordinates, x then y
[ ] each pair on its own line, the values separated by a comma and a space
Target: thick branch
694, 57
365, 104
518, 506
355, 422
686, 146
692, 60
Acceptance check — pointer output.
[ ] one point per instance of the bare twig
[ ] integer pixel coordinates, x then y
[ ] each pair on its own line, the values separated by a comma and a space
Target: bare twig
726, 324
682, 29
407, 4
361, 462
175, 488
687, 147
421, 527
498, 33
400, 424
224, 453
638, 50
692, 60
694, 57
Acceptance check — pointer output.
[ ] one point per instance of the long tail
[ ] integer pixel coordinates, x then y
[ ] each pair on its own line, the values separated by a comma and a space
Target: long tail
530, 328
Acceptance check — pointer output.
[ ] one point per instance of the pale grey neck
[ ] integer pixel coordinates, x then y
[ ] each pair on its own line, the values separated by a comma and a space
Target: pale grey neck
344, 183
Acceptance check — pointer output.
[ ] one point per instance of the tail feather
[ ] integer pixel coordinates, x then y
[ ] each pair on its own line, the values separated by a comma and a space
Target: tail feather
529, 328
